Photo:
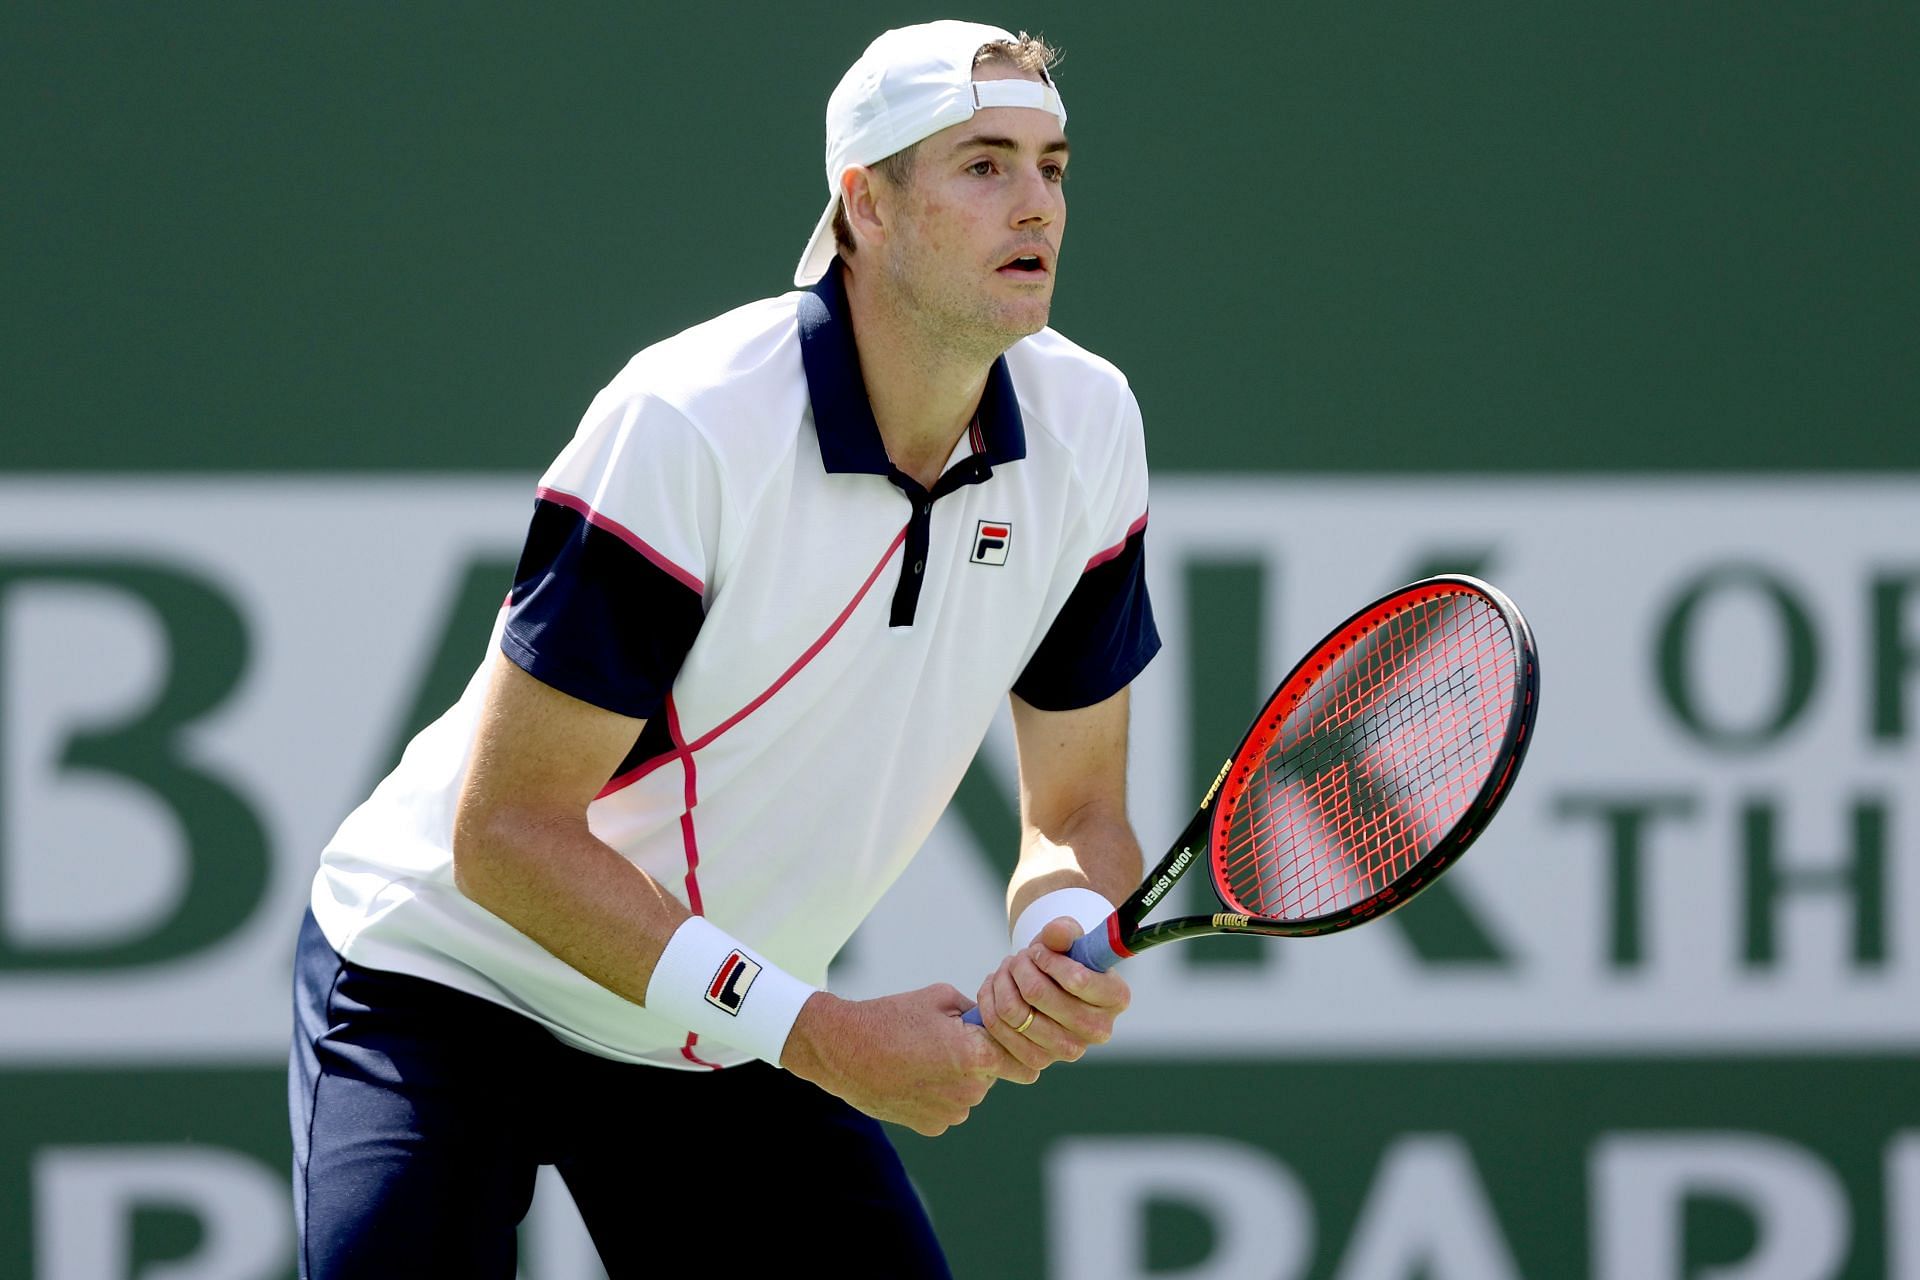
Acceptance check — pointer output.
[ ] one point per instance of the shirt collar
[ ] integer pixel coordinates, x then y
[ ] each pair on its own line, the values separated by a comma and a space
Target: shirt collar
842, 415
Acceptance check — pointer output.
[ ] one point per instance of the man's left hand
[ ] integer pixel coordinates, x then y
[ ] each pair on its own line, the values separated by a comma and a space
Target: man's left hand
1072, 1007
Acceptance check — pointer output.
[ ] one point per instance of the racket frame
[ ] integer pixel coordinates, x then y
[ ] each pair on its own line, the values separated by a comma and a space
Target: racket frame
1125, 934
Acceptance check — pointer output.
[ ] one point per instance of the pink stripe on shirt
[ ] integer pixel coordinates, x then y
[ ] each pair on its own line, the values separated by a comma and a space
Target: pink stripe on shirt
813, 650
1119, 546
602, 521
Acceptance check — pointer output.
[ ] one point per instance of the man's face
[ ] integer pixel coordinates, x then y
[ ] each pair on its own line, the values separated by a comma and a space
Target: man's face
976, 240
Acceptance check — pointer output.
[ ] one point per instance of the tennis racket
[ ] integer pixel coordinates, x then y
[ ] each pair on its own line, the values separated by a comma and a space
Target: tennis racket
1371, 769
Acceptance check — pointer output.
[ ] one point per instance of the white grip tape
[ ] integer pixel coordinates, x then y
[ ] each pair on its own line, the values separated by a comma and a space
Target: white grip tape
1084, 905
707, 982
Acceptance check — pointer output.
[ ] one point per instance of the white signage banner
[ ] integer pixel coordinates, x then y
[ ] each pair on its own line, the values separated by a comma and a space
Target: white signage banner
1711, 848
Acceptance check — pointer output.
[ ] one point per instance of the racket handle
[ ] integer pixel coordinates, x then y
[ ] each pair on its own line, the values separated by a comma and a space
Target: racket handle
1090, 949
1095, 950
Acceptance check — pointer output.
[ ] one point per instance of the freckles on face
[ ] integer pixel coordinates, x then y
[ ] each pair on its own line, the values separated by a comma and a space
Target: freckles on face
955, 231
933, 217
942, 225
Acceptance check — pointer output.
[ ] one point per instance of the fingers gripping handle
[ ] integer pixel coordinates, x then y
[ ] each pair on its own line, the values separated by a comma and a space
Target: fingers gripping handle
1094, 950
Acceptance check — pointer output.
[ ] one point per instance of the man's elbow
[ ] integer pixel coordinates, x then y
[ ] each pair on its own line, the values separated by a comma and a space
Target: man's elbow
483, 851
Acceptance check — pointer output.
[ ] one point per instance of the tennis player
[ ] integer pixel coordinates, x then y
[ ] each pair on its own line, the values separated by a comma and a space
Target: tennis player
771, 596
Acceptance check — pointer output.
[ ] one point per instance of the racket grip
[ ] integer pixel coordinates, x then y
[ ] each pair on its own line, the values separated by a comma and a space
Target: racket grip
1094, 950
1090, 949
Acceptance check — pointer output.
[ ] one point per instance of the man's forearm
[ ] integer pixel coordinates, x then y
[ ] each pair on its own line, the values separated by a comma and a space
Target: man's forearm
559, 885
1095, 848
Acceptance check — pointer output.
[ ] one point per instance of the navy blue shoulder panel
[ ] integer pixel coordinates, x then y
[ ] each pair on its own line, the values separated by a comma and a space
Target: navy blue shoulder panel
1103, 637
594, 618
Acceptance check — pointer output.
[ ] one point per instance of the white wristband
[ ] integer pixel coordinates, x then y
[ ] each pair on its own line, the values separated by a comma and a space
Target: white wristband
1084, 905
709, 983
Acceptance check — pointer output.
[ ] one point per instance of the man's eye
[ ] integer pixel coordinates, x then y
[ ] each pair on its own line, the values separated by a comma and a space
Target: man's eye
1055, 173
981, 167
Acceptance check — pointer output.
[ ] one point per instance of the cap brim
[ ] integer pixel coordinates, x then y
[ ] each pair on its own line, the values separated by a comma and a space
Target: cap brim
821, 249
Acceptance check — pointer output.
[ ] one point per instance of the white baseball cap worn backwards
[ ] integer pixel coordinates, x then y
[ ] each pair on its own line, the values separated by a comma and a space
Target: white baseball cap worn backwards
911, 83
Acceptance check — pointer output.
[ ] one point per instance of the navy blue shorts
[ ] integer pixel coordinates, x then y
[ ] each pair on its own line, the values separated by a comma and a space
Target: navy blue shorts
421, 1116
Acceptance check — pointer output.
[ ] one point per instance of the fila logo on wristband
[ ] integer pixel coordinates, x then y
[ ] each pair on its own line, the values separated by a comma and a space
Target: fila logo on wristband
728, 990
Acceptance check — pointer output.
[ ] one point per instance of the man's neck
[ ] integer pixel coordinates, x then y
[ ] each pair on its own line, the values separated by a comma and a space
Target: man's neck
924, 392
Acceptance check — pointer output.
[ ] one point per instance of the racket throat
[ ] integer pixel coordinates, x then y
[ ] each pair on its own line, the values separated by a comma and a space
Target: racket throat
1188, 851
1169, 876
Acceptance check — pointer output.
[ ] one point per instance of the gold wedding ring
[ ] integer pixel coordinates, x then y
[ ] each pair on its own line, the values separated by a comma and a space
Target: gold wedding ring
1022, 1028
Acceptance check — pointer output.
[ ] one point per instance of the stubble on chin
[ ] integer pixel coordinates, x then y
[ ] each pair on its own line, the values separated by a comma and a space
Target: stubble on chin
959, 319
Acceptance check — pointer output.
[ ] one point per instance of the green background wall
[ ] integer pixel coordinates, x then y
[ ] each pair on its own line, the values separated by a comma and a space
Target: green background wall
1633, 235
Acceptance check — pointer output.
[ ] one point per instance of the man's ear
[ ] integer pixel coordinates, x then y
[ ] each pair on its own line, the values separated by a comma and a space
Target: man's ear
868, 203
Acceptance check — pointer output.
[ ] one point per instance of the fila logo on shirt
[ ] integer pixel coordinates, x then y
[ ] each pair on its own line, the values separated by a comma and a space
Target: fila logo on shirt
990, 539
728, 990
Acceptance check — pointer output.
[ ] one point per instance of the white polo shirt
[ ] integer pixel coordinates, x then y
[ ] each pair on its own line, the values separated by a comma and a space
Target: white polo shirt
817, 645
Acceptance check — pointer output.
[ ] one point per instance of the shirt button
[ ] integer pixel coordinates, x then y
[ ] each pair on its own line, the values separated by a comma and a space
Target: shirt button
918, 565
926, 508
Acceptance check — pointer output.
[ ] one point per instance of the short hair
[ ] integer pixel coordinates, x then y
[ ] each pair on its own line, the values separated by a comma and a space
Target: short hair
1029, 54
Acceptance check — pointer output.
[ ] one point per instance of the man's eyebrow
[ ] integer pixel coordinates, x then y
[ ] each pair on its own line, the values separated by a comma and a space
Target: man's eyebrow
994, 143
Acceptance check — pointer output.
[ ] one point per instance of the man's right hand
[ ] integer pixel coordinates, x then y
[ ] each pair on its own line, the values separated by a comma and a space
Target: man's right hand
905, 1058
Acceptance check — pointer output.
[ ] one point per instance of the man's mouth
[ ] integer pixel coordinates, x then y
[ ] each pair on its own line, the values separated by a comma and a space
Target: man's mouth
1028, 264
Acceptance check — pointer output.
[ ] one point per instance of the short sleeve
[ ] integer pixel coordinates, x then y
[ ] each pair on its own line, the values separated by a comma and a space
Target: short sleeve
613, 578
1104, 635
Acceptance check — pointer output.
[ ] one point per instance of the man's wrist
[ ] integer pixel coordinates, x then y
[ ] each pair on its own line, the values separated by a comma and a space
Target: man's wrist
813, 1035
1084, 905
714, 986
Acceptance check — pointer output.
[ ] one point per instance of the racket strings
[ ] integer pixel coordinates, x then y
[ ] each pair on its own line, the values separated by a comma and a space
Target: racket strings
1395, 834
1390, 837
1373, 764
1380, 844
1338, 701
